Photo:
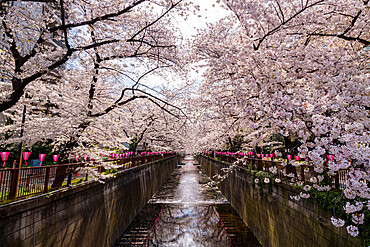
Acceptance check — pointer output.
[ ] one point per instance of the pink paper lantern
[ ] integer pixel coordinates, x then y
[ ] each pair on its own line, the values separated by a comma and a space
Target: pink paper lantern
275, 155
41, 158
258, 155
271, 155
26, 155
289, 156
4, 156
76, 158
296, 158
55, 158
306, 159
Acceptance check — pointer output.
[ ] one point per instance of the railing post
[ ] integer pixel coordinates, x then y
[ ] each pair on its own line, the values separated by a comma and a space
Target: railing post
14, 184
15, 179
259, 164
47, 175
69, 171
336, 180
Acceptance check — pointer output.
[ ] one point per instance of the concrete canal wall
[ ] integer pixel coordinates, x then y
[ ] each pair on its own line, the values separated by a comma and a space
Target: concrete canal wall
94, 214
274, 218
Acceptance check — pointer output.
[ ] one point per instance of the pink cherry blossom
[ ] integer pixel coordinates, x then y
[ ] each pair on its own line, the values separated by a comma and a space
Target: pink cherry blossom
337, 222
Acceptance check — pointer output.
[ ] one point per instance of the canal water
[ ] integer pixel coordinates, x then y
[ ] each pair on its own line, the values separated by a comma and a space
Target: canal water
187, 211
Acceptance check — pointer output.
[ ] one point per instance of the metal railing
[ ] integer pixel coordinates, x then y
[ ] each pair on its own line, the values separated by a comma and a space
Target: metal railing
303, 172
27, 181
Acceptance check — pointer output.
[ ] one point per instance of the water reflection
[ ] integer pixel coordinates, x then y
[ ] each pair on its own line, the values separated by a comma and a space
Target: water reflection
188, 185
188, 225
186, 211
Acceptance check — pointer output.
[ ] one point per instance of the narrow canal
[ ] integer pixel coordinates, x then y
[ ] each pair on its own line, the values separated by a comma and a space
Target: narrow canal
187, 211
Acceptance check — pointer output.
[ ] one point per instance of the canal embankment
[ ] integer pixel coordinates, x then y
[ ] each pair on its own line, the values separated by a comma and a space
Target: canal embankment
272, 215
91, 214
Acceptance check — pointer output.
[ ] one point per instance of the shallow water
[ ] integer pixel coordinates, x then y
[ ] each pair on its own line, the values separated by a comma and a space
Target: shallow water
187, 211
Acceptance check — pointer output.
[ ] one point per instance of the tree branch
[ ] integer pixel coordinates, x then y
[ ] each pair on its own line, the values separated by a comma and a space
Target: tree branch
87, 47
256, 47
149, 44
146, 73
156, 20
100, 18
64, 25
146, 95
341, 36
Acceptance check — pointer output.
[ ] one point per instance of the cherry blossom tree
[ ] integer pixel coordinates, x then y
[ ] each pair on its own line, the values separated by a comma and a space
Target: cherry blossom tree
96, 52
40, 39
293, 69
298, 69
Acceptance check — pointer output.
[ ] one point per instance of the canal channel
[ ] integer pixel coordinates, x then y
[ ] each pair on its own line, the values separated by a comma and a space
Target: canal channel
187, 211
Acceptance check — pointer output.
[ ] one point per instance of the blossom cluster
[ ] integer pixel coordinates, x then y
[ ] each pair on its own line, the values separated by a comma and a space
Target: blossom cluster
351, 208
337, 222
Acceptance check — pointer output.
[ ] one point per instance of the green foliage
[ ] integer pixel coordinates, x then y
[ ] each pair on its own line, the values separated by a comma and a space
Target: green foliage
261, 175
75, 181
111, 171
43, 148
335, 202
235, 143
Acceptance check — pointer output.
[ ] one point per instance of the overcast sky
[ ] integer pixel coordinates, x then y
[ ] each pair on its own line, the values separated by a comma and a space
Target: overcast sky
210, 11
